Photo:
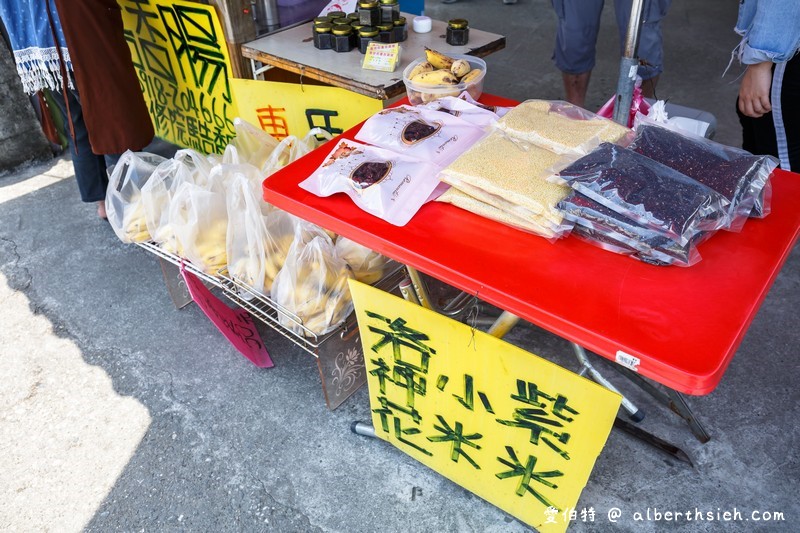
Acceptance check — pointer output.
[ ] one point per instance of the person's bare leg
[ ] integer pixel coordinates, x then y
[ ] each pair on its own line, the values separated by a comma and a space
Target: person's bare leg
101, 209
649, 87
575, 87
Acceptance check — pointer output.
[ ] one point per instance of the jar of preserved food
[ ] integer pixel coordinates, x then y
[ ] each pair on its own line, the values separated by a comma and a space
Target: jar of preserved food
457, 32
369, 12
400, 30
343, 38
366, 34
390, 11
385, 33
336, 14
323, 38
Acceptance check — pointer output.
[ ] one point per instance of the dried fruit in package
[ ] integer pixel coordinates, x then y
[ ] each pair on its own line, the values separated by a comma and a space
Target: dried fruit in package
388, 185
426, 134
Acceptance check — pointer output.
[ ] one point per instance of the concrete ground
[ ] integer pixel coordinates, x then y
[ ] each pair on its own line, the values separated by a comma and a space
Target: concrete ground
119, 412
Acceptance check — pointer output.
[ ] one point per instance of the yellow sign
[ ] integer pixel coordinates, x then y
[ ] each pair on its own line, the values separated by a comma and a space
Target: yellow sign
515, 429
181, 57
283, 109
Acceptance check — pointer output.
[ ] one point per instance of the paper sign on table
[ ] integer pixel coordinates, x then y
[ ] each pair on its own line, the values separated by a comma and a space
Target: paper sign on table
515, 429
381, 56
236, 325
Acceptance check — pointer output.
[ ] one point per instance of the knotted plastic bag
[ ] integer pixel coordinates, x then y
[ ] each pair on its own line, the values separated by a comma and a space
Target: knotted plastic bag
199, 216
157, 196
124, 199
312, 285
368, 265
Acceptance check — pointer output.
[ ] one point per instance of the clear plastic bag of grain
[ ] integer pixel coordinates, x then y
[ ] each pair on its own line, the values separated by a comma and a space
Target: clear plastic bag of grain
513, 176
561, 127
647, 192
736, 174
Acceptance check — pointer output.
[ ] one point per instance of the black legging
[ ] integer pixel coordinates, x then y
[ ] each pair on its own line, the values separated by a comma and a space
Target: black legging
760, 135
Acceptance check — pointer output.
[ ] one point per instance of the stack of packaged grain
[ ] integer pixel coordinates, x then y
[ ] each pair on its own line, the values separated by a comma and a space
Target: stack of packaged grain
507, 176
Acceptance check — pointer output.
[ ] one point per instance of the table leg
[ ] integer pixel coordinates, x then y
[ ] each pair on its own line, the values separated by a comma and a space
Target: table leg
672, 399
636, 414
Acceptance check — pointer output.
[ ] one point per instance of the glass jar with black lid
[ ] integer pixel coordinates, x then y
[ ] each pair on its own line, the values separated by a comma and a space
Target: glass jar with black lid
400, 30
390, 11
343, 38
385, 33
323, 37
369, 12
457, 32
366, 34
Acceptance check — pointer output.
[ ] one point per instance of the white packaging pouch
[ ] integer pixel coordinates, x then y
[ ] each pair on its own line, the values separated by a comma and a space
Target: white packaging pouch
381, 182
481, 116
421, 133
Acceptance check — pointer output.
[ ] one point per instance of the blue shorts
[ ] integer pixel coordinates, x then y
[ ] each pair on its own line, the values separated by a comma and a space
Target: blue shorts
579, 23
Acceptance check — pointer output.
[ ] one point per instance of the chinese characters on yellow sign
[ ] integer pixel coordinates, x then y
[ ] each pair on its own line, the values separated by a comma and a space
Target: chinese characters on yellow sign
515, 429
283, 109
180, 54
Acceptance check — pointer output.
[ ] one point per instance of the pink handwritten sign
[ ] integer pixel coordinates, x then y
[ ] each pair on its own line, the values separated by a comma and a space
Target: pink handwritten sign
237, 325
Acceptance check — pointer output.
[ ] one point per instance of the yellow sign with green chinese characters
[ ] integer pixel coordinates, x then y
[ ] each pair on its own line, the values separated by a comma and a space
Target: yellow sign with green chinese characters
283, 109
181, 58
515, 429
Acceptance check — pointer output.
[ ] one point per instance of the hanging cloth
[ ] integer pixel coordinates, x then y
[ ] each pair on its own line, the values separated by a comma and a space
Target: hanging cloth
34, 45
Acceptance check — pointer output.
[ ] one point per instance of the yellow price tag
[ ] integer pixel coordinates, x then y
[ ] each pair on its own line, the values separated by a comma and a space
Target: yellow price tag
382, 56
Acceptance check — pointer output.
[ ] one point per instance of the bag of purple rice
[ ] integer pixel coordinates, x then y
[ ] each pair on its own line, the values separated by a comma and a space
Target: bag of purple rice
739, 176
388, 185
615, 232
647, 192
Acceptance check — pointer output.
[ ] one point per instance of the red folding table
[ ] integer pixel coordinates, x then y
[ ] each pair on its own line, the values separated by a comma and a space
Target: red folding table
683, 325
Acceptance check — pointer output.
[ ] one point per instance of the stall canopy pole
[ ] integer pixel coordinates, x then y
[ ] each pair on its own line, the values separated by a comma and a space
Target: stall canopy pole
628, 66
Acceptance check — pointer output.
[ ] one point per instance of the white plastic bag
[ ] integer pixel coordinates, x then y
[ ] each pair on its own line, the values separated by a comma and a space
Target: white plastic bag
291, 149
246, 242
198, 214
123, 197
253, 144
199, 165
312, 284
157, 196
368, 265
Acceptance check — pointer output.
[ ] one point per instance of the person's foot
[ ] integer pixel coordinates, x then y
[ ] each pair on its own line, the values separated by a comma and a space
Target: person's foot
101, 209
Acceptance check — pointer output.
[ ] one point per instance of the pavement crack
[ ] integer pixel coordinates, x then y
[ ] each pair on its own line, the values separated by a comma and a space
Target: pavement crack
19, 277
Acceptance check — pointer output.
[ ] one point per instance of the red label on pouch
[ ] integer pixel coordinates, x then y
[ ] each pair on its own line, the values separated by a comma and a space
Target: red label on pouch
237, 325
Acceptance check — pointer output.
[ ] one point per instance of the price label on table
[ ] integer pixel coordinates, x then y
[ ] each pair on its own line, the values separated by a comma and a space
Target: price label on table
382, 56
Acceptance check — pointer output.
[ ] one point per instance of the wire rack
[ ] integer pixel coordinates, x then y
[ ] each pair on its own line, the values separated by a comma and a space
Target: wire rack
265, 309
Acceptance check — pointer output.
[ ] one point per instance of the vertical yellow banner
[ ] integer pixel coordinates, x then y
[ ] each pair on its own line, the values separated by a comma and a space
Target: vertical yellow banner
181, 57
515, 429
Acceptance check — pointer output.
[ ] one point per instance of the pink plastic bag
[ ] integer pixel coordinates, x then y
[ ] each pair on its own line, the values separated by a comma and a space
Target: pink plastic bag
638, 104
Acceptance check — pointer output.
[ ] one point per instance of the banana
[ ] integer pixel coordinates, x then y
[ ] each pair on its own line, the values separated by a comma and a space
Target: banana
436, 77
438, 59
460, 68
471, 75
424, 66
